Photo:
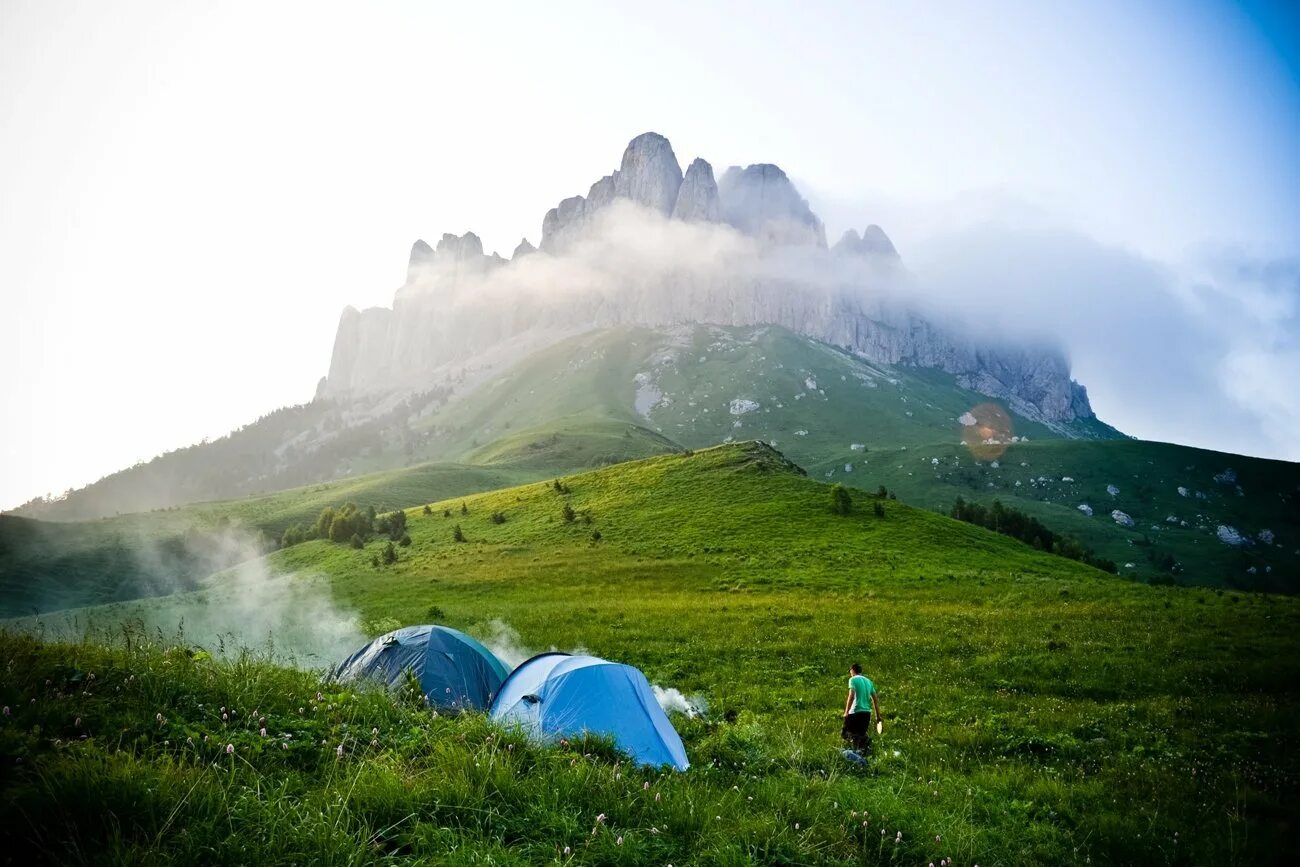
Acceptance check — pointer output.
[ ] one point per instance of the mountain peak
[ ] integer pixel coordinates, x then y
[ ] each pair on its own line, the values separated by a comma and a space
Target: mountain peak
761, 201
872, 242
697, 197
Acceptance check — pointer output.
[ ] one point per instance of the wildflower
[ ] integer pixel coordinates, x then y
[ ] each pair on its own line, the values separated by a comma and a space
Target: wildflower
158, 717
339, 751
796, 826
319, 697
230, 749
284, 746
656, 797
600, 818
864, 824
263, 732
189, 742
223, 708
645, 787
7, 711
225, 717
937, 838
374, 743
618, 842
510, 748
302, 710
77, 723
205, 739
374, 731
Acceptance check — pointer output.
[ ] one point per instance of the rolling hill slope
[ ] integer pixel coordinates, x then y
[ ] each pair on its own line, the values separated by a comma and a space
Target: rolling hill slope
629, 393
1037, 710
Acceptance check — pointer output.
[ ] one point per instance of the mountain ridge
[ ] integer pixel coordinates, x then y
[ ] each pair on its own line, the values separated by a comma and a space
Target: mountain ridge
650, 245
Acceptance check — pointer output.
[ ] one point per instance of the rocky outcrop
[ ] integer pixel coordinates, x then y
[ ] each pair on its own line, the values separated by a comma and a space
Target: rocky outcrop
759, 200
454, 307
648, 175
872, 242
697, 197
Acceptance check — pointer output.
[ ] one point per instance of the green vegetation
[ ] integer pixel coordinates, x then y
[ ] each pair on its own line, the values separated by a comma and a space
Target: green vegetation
841, 500
1037, 710
1018, 525
627, 393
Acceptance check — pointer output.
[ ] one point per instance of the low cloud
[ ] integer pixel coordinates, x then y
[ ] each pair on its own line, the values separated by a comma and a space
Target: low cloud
1204, 355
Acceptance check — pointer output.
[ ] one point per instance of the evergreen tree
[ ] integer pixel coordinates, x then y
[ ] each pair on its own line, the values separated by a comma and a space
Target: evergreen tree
841, 501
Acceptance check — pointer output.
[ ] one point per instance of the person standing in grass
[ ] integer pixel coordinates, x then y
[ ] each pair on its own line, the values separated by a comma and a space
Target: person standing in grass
859, 704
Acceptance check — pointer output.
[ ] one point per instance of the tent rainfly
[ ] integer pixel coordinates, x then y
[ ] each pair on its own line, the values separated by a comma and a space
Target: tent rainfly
455, 671
555, 695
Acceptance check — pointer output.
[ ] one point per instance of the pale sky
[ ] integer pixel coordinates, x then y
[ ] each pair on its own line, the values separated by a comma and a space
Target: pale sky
190, 192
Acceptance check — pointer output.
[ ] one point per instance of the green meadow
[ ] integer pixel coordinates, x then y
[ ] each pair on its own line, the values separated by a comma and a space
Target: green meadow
1036, 710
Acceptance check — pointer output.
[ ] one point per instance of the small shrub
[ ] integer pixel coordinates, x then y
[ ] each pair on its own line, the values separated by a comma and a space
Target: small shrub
457, 534
595, 536
446, 513
435, 612
841, 501
357, 542
428, 510
464, 510
405, 541
878, 509
569, 514
498, 518
389, 555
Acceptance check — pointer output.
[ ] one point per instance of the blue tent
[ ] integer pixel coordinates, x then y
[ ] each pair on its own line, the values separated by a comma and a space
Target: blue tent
454, 670
554, 695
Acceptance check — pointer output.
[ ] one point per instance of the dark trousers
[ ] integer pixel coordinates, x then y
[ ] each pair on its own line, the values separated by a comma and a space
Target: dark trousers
857, 731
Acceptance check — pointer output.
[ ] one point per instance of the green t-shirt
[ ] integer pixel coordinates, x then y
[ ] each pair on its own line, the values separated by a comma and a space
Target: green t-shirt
863, 690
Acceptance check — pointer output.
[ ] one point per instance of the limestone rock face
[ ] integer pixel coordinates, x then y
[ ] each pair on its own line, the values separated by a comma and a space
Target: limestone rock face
649, 174
459, 304
697, 197
760, 200
421, 257
872, 242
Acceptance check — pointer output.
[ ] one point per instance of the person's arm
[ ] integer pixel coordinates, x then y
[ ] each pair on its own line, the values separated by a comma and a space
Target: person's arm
875, 706
848, 703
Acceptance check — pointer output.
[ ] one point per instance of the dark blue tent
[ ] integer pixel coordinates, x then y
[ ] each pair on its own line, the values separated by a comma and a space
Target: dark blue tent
454, 670
554, 695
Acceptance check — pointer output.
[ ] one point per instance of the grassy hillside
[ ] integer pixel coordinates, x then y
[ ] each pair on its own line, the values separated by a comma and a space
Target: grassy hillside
624, 394
1038, 711
866, 425
45, 566
1259, 500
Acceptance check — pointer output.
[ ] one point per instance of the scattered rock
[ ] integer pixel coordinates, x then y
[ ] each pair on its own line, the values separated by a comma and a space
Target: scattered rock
1121, 518
1086, 509
1226, 478
1229, 536
1112, 490
740, 406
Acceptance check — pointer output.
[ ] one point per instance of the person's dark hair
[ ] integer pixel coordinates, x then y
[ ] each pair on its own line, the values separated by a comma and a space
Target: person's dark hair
855, 668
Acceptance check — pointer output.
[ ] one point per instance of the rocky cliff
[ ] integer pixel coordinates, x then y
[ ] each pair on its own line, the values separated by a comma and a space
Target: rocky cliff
649, 245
